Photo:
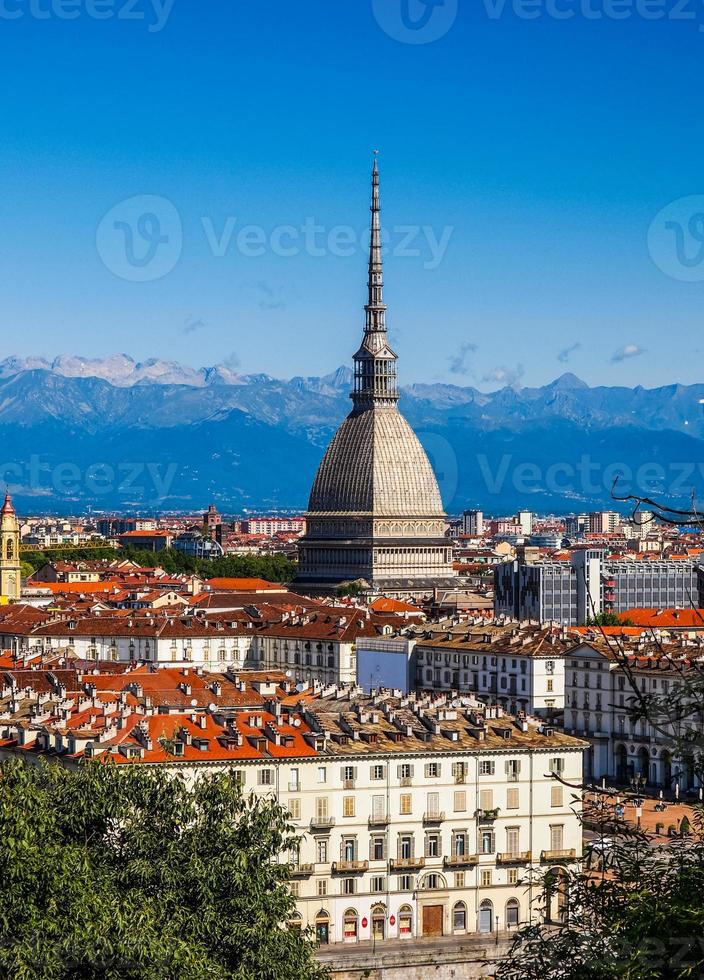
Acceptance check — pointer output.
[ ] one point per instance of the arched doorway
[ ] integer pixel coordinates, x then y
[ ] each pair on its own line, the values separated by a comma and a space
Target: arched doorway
556, 893
405, 922
643, 763
513, 913
322, 927
486, 917
621, 763
378, 923
350, 926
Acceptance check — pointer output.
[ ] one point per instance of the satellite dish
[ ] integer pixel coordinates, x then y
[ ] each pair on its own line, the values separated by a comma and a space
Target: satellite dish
296, 722
194, 702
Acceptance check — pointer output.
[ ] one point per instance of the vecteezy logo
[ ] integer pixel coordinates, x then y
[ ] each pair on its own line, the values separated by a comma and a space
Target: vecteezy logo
140, 239
676, 239
415, 21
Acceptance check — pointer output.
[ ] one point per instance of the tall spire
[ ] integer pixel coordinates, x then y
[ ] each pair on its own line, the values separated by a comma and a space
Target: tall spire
375, 362
375, 309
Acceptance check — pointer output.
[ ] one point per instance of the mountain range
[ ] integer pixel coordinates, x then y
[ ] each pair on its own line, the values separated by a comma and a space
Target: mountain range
115, 434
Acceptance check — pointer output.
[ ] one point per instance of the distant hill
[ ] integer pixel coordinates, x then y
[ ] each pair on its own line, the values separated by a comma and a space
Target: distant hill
117, 434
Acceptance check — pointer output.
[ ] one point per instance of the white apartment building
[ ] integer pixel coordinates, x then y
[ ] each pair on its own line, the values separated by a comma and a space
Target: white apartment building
419, 816
598, 695
519, 667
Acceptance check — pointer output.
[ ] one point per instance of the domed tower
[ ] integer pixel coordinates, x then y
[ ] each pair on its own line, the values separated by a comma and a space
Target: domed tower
375, 511
10, 573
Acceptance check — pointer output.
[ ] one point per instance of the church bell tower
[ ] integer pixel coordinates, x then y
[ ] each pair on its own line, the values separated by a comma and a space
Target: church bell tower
10, 571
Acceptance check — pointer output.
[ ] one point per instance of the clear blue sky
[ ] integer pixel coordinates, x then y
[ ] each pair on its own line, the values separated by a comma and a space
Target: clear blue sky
547, 146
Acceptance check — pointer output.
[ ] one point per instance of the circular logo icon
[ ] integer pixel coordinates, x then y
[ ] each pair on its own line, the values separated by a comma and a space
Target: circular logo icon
140, 239
415, 21
676, 239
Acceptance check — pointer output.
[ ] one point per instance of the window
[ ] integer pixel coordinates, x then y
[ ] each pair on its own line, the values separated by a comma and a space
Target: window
432, 845
487, 841
349, 774
556, 837
550, 683
322, 774
350, 925
460, 801
293, 780
513, 914
378, 807
265, 777
459, 771
378, 883
432, 770
349, 886
321, 851
487, 767
431, 882
486, 799
512, 876
321, 808
459, 879
512, 840
433, 804
513, 768
486, 878
459, 917
405, 883
378, 772
294, 808
295, 888
556, 796
322, 887
512, 799
459, 844
405, 771
378, 849
348, 849
405, 846
348, 807
405, 807
557, 766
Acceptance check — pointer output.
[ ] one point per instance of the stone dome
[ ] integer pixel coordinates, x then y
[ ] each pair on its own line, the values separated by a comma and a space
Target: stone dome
376, 465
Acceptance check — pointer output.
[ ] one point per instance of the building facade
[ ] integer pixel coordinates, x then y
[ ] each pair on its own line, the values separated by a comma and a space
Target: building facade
573, 592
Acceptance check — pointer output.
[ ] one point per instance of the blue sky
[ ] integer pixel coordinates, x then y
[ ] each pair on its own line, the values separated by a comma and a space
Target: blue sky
524, 160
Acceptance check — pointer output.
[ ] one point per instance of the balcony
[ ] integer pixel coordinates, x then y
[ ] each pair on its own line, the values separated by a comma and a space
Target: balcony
486, 816
322, 824
511, 857
380, 820
460, 779
406, 864
564, 854
349, 867
406, 780
302, 870
460, 861
348, 783
433, 817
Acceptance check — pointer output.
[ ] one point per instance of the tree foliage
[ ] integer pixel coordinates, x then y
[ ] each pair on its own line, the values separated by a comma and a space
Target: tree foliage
123, 873
272, 568
634, 911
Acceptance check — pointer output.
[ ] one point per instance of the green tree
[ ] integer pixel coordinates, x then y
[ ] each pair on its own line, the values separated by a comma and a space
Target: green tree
609, 619
125, 873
